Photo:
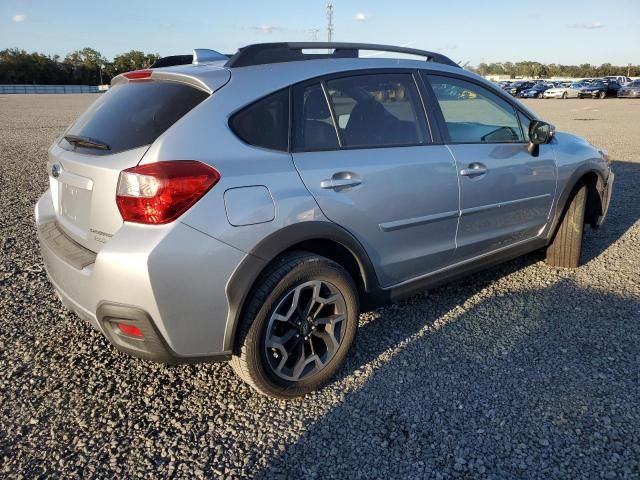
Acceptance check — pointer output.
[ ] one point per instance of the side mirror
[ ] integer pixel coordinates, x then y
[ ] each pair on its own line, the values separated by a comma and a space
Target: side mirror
539, 133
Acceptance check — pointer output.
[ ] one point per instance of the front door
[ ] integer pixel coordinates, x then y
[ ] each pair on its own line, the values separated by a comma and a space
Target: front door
505, 193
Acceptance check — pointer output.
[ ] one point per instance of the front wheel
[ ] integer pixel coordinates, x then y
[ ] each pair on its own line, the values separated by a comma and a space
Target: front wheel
566, 246
603, 95
298, 327
564, 96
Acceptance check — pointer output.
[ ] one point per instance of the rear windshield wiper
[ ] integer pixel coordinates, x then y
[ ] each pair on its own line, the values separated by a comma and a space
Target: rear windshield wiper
86, 142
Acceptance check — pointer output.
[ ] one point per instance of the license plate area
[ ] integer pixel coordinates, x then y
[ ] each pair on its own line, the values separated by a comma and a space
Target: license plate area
75, 205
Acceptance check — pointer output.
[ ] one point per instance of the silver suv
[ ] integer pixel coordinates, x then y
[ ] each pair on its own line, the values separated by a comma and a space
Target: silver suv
246, 209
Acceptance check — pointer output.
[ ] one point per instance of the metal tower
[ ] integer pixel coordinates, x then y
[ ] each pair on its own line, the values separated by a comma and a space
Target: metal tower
329, 21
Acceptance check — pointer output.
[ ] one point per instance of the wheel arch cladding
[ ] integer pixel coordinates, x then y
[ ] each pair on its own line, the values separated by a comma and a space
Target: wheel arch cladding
322, 238
595, 183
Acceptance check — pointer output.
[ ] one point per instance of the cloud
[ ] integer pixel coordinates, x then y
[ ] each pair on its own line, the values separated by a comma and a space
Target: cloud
21, 17
587, 26
361, 17
267, 29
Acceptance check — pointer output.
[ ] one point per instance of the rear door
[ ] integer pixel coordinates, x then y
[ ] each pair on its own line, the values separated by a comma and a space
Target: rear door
363, 148
505, 193
112, 135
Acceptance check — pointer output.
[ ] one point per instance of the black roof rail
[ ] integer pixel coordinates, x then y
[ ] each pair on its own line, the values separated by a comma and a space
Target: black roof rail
265, 53
172, 61
200, 55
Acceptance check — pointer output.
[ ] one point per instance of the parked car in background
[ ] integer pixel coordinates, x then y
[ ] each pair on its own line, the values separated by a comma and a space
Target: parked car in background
245, 209
599, 89
517, 87
621, 79
570, 91
631, 90
537, 91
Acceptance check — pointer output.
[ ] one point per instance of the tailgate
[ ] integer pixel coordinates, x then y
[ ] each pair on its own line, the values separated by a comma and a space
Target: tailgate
111, 136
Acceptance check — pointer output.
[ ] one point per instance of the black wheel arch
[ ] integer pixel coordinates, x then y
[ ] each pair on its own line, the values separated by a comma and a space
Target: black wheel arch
595, 183
320, 237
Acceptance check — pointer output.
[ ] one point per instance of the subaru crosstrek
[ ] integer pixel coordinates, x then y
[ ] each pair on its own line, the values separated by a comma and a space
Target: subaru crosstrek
246, 209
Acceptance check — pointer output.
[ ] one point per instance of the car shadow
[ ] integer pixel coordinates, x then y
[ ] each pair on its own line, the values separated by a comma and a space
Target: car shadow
624, 211
432, 304
515, 385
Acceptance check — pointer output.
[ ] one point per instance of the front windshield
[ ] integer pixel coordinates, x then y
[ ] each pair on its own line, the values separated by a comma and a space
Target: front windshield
596, 84
576, 85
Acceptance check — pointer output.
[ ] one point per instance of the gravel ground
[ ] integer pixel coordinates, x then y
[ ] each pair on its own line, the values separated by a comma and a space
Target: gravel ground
518, 372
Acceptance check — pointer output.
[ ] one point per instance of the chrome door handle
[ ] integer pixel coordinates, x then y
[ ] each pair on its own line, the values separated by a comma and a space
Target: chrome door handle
341, 180
474, 170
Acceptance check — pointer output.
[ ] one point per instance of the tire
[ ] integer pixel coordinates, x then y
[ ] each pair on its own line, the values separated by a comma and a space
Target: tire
272, 371
540, 95
565, 248
564, 95
603, 95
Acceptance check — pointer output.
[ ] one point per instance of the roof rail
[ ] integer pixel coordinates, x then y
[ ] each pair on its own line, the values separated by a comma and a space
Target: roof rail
200, 55
265, 53
172, 60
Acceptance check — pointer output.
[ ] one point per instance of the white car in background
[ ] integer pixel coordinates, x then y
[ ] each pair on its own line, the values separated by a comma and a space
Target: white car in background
563, 92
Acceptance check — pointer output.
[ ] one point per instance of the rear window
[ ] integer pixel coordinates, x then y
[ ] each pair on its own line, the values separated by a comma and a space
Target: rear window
134, 114
265, 123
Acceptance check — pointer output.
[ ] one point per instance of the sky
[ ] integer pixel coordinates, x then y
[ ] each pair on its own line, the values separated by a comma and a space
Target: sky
568, 32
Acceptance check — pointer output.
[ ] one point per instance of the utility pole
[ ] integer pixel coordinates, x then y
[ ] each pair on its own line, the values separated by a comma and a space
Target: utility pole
329, 21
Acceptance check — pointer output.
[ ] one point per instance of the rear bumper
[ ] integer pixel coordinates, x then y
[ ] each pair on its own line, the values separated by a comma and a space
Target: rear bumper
169, 280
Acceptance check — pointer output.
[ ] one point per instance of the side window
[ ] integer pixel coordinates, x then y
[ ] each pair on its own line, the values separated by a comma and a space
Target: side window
377, 110
265, 123
473, 114
524, 123
313, 125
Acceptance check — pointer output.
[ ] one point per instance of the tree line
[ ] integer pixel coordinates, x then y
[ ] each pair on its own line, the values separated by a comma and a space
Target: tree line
90, 67
82, 67
542, 70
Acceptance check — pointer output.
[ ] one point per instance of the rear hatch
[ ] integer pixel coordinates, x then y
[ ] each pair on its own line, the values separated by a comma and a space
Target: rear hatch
113, 135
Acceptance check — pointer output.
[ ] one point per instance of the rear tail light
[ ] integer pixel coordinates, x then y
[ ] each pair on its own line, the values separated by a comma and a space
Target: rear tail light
158, 193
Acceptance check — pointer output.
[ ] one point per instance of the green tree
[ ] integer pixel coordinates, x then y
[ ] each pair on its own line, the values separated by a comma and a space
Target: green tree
133, 60
84, 66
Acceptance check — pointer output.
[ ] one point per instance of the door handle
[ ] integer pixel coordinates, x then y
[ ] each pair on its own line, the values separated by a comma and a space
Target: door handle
474, 170
341, 180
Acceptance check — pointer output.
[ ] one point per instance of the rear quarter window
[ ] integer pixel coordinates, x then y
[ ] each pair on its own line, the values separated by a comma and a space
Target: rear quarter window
134, 114
264, 123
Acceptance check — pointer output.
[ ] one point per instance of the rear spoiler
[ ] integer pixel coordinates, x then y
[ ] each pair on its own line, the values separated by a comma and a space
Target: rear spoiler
151, 74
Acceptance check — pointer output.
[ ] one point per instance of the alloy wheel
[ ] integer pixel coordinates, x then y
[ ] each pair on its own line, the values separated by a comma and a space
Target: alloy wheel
305, 330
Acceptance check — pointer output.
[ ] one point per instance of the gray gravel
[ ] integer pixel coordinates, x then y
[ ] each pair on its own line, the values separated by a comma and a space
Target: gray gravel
518, 372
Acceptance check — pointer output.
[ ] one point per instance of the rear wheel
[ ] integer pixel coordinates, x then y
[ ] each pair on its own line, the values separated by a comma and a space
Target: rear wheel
566, 246
603, 94
298, 326
564, 95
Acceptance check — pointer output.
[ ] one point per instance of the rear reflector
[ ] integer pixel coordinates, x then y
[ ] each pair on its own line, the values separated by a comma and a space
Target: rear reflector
130, 330
158, 193
138, 74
